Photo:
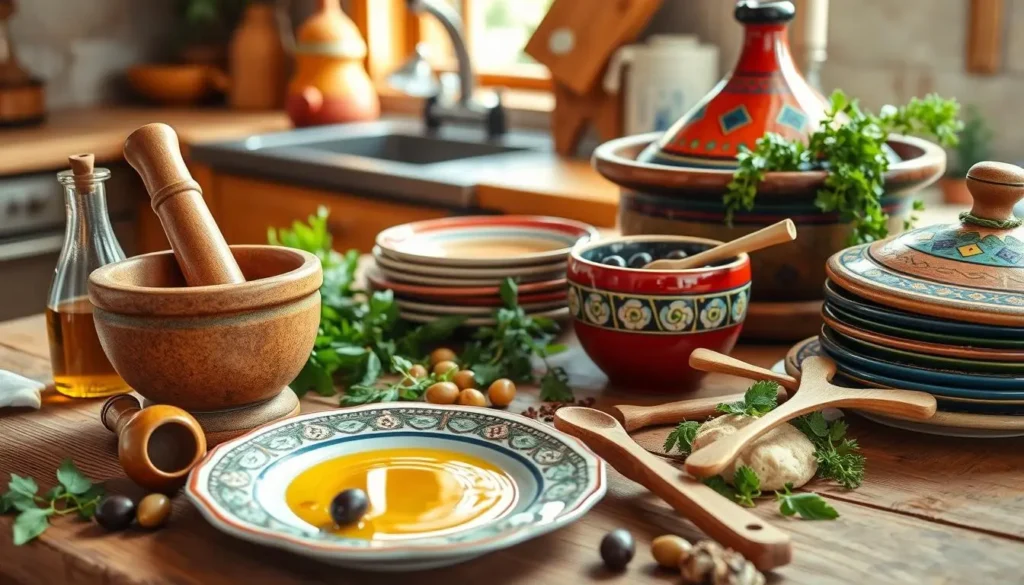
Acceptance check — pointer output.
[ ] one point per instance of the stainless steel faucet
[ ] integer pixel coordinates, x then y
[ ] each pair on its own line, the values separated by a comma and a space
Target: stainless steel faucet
438, 108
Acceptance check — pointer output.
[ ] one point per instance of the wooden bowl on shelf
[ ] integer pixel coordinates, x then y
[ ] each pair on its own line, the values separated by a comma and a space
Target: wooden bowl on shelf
175, 85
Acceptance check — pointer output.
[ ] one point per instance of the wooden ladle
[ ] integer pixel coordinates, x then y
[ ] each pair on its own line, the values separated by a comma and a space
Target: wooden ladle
779, 233
764, 545
638, 417
814, 393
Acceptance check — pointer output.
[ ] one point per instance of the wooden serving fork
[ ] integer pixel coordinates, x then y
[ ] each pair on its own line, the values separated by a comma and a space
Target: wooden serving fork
814, 392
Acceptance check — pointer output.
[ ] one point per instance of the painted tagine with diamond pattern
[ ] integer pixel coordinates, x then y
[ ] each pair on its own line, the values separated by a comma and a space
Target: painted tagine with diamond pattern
971, 271
764, 93
674, 183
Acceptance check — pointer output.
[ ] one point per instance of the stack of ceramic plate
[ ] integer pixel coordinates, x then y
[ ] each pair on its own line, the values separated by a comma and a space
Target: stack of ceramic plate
455, 266
941, 310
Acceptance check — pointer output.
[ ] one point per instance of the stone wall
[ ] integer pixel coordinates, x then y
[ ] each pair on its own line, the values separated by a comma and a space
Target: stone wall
81, 47
887, 51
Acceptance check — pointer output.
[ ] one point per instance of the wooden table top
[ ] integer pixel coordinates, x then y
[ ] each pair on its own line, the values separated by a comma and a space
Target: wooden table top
931, 510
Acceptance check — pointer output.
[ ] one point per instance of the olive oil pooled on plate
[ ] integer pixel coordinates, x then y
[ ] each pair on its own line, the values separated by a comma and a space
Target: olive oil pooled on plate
413, 493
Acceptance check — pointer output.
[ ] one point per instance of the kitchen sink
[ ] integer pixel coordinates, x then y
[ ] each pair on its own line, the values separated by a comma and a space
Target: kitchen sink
396, 158
417, 150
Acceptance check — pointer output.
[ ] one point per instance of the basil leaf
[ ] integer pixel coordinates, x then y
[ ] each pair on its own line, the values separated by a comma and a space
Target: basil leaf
72, 479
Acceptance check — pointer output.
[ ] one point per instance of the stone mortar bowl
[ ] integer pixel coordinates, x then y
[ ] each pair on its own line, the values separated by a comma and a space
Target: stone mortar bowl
215, 347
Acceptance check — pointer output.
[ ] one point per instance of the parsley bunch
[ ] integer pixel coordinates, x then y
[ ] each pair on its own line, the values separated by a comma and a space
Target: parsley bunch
74, 493
839, 457
507, 349
850, 145
408, 387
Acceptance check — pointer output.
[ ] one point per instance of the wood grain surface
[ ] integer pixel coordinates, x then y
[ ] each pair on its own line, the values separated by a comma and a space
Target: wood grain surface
931, 510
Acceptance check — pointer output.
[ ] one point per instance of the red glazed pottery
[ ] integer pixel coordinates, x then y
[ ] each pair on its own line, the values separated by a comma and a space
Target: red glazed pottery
640, 326
764, 93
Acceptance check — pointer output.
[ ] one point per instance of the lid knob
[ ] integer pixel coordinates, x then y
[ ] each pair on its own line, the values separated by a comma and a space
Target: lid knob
996, 187
755, 12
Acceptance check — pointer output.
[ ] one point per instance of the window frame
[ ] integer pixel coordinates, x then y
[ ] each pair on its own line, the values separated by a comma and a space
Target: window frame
391, 33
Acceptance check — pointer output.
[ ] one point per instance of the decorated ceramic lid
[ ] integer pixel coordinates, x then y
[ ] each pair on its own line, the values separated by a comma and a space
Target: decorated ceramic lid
764, 93
969, 271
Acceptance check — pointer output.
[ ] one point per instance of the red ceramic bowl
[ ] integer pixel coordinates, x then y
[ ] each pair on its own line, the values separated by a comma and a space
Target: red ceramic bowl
639, 326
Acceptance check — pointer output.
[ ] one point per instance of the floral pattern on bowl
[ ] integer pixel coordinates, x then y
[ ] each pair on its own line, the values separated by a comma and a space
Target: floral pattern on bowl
239, 487
656, 314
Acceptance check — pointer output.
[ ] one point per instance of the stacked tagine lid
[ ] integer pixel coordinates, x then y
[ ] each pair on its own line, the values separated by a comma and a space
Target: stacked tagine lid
940, 309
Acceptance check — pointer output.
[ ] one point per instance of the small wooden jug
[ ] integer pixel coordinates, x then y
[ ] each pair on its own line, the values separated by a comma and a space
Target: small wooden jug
158, 445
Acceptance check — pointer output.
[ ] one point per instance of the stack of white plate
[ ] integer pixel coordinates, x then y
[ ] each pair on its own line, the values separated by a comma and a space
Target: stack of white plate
455, 266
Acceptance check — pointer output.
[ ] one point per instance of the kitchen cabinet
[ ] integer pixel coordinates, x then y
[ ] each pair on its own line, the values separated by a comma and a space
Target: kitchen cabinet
246, 207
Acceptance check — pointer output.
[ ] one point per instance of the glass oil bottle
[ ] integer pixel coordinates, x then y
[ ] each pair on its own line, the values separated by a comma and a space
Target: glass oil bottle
80, 367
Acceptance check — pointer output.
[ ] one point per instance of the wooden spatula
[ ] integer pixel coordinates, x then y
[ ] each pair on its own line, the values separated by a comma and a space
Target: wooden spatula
764, 545
779, 233
814, 393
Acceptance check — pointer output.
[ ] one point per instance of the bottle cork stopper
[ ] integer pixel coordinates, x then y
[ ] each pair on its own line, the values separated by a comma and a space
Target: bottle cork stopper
81, 168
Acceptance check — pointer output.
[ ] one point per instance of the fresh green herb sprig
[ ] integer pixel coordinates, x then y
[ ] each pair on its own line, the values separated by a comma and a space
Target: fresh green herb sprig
507, 349
760, 399
73, 494
747, 485
407, 388
850, 146
807, 505
360, 333
681, 438
839, 457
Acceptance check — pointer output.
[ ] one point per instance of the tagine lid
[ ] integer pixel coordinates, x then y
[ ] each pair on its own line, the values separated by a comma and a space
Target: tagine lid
764, 93
969, 271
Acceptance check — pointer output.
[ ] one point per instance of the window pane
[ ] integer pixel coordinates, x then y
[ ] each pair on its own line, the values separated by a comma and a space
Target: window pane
498, 31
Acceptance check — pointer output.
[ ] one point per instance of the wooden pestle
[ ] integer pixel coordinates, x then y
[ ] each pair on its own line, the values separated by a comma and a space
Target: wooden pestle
157, 446
202, 253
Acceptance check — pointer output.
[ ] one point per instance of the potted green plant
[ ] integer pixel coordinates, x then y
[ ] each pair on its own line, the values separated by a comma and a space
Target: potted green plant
204, 29
974, 147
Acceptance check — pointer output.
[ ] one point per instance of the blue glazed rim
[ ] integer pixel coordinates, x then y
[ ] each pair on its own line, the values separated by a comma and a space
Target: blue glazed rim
854, 304
930, 381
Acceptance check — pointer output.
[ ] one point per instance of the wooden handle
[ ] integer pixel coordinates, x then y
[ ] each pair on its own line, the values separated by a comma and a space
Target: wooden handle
815, 393
706, 360
764, 545
638, 417
202, 253
82, 167
779, 233
118, 410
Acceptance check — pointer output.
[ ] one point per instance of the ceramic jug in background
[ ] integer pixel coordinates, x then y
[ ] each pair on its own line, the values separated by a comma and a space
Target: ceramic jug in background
665, 78
257, 61
330, 84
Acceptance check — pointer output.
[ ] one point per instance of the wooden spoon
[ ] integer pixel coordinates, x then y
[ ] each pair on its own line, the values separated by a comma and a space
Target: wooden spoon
779, 233
764, 545
638, 417
815, 393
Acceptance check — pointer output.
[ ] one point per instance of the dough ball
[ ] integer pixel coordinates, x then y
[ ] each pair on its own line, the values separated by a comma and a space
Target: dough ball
780, 456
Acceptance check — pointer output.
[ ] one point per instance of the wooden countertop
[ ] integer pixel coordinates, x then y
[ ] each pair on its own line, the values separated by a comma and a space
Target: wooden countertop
102, 131
931, 510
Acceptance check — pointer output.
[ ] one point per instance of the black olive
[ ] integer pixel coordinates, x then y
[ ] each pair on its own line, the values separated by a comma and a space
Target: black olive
349, 506
676, 255
617, 549
640, 259
614, 260
115, 512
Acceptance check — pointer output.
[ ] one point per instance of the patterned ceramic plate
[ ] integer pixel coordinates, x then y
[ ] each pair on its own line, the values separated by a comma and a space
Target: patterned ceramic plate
472, 311
453, 291
240, 485
484, 241
949, 424
880, 326
524, 272
452, 280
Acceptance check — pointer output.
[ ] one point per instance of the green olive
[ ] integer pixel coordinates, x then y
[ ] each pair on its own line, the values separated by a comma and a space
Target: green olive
472, 397
442, 393
441, 354
464, 379
442, 368
153, 511
668, 550
502, 392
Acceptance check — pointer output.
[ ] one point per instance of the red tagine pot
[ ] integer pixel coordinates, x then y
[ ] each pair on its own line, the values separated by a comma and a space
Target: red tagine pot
640, 326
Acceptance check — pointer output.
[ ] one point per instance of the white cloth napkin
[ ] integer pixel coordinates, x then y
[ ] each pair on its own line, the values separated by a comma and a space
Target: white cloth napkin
19, 391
